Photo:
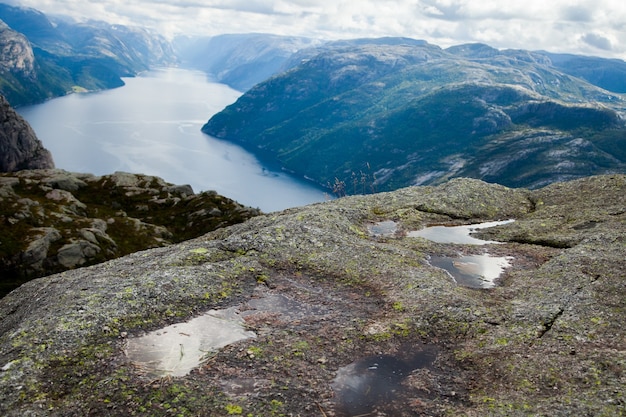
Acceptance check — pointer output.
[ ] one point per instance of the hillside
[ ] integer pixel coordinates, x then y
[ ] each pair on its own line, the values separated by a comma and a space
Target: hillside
382, 114
44, 57
342, 310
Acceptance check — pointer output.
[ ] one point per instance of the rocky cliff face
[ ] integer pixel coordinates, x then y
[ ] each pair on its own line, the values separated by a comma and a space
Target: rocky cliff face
16, 54
19, 146
353, 313
53, 220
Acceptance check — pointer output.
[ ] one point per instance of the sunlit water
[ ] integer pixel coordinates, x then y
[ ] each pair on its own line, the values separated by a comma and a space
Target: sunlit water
177, 349
152, 126
456, 234
475, 271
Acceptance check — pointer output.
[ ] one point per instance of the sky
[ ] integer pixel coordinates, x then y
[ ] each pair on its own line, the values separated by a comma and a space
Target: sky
588, 27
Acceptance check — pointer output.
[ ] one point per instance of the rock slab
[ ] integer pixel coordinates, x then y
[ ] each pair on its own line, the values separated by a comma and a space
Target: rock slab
335, 306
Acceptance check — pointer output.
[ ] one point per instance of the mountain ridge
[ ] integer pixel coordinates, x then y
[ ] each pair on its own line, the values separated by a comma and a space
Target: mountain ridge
384, 111
68, 56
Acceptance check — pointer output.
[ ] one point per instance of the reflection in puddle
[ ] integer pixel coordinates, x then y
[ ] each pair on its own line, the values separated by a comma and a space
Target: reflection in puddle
383, 229
175, 350
375, 381
475, 271
456, 234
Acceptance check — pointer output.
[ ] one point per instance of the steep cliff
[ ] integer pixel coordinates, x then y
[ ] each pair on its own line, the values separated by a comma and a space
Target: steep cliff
19, 146
16, 53
353, 313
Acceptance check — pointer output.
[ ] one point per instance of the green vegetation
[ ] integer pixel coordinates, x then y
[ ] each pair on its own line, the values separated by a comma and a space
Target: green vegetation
116, 219
358, 122
70, 57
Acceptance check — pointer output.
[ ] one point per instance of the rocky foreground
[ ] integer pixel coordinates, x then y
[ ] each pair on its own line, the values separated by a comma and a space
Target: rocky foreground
355, 320
52, 220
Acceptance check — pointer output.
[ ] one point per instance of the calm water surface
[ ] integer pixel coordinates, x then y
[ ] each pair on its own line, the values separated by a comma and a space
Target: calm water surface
152, 126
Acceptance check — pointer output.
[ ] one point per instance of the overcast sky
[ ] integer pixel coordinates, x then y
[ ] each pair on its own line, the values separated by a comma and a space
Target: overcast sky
591, 27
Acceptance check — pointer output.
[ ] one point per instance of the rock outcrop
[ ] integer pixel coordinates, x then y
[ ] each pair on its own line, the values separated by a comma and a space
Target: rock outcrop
19, 146
52, 220
16, 52
350, 314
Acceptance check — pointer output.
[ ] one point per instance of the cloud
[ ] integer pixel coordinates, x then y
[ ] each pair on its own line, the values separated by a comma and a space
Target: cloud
597, 41
577, 13
575, 26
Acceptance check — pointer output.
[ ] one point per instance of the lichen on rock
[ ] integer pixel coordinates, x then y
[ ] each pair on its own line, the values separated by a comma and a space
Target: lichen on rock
52, 220
547, 339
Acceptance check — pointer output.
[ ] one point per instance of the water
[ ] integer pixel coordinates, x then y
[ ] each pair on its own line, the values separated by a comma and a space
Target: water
177, 349
474, 271
376, 382
152, 126
456, 234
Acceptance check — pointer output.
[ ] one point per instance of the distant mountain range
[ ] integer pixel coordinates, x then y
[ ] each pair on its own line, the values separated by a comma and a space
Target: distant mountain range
240, 60
42, 57
373, 115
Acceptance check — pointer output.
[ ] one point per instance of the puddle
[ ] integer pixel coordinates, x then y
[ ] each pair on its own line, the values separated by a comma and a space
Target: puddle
177, 349
375, 382
286, 308
383, 229
475, 271
456, 234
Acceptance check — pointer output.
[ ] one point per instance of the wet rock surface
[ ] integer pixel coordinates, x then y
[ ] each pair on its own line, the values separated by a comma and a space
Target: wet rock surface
339, 309
52, 220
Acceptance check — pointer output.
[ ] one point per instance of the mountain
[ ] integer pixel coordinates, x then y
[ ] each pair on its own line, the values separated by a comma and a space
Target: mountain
19, 146
388, 113
52, 220
342, 311
240, 60
609, 74
60, 55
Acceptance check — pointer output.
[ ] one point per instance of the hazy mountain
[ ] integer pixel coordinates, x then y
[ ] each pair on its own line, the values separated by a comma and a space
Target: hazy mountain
64, 55
609, 74
394, 112
240, 60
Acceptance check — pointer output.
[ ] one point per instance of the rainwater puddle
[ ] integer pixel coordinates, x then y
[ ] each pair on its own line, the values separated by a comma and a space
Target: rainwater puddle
383, 229
474, 271
456, 234
177, 349
375, 382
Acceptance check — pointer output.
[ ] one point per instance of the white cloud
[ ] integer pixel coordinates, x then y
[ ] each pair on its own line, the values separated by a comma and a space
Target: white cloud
577, 26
